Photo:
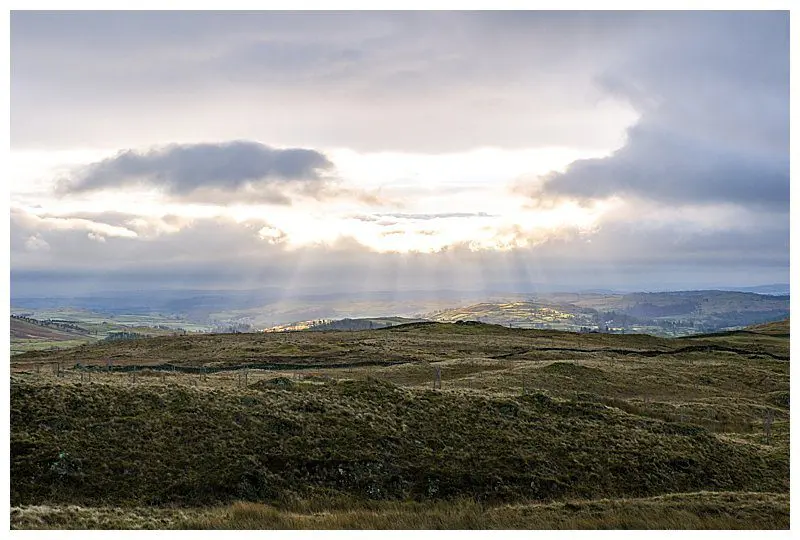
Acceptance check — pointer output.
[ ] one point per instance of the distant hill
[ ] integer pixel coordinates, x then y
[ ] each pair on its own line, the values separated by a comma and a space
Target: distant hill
665, 313
32, 329
363, 324
346, 324
30, 334
777, 288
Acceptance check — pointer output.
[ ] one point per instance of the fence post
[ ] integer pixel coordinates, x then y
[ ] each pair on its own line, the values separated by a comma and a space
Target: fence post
437, 378
768, 418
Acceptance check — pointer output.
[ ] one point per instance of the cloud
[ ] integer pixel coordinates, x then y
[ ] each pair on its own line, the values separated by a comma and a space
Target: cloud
714, 117
36, 243
438, 81
208, 169
57, 223
380, 219
676, 169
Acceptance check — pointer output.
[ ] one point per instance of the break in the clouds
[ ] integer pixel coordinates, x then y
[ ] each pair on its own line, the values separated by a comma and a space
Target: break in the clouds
444, 215
183, 170
388, 149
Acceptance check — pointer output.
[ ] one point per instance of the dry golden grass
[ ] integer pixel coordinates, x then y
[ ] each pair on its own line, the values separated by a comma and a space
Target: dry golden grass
705, 510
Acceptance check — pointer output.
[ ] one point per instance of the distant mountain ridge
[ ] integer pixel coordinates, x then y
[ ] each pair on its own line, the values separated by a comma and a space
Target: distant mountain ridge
670, 312
776, 289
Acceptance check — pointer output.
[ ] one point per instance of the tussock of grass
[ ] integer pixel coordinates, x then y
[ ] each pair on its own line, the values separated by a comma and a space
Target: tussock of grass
83, 518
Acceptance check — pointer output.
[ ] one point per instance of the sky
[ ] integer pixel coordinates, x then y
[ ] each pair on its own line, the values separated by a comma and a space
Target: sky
356, 151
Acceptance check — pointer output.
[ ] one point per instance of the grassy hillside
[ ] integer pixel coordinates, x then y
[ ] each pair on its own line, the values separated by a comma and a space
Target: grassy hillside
347, 423
776, 328
22, 329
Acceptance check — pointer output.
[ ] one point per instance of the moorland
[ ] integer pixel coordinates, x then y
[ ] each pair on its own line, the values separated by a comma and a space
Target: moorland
420, 425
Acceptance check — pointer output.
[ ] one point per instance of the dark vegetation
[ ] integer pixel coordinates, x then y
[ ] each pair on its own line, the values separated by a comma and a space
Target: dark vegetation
373, 323
365, 439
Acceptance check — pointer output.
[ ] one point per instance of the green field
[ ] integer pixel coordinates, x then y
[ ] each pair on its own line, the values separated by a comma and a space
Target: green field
530, 429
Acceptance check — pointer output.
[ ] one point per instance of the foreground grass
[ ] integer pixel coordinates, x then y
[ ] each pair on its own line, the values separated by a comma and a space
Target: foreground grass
530, 430
155, 445
705, 510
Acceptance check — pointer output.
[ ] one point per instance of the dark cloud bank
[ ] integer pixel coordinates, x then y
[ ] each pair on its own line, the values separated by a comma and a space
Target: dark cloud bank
184, 170
712, 90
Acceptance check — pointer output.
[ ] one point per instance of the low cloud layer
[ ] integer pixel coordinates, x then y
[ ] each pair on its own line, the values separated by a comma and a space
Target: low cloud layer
192, 169
251, 254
